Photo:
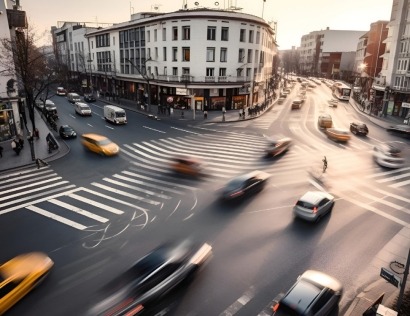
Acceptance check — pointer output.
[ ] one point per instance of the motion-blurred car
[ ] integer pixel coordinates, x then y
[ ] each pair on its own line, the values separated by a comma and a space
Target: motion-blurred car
359, 128
20, 275
333, 102
82, 109
297, 104
281, 100
313, 205
66, 131
61, 91
89, 98
245, 185
389, 154
338, 134
151, 278
325, 121
314, 293
187, 165
99, 144
402, 130
277, 146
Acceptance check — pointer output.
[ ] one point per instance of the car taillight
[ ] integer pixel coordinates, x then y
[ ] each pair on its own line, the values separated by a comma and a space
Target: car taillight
237, 193
135, 310
314, 210
275, 307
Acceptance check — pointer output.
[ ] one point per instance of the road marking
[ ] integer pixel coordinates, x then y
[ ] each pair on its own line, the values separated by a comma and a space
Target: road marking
239, 303
89, 125
110, 127
97, 204
184, 130
56, 217
78, 210
155, 130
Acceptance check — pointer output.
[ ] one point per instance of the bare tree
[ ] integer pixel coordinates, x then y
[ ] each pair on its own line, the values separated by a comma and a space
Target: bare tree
35, 70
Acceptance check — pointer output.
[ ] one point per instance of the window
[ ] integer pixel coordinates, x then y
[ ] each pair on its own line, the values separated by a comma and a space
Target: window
174, 53
258, 37
175, 71
155, 35
165, 70
186, 54
241, 55
222, 72
164, 51
224, 54
210, 72
225, 34
175, 33
249, 55
210, 54
239, 72
211, 34
148, 36
250, 36
242, 35
164, 34
156, 53
148, 52
185, 71
186, 33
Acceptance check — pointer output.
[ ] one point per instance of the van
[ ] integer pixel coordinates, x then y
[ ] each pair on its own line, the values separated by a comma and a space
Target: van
82, 108
297, 104
115, 114
73, 97
61, 91
325, 121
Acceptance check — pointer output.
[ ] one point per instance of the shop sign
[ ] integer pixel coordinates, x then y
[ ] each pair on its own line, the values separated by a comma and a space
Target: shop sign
405, 105
181, 91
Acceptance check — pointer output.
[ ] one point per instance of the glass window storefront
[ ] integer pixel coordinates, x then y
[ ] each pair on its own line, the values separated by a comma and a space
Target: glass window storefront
6, 124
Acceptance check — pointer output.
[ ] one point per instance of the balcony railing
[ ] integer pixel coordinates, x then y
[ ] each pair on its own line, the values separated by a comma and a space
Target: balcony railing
201, 79
401, 89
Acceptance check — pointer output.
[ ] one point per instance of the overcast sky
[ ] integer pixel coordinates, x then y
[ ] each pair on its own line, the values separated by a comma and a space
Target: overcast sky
295, 18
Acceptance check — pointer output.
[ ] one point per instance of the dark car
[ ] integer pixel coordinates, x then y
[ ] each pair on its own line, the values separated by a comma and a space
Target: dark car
89, 98
314, 293
402, 130
278, 146
66, 131
245, 185
151, 277
359, 128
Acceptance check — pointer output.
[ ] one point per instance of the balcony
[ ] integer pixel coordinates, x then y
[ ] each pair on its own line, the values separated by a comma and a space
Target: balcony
401, 89
201, 79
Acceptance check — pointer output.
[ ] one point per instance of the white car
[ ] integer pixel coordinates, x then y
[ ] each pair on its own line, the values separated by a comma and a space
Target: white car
389, 154
313, 205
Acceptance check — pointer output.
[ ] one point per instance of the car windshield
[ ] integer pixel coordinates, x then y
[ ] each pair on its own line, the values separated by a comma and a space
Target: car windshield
235, 184
120, 114
305, 204
67, 129
104, 142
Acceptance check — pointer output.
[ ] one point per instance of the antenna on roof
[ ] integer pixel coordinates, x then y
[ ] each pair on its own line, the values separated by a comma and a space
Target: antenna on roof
185, 4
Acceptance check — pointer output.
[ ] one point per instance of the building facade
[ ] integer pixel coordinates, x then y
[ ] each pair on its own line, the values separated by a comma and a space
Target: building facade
328, 53
11, 104
393, 80
202, 58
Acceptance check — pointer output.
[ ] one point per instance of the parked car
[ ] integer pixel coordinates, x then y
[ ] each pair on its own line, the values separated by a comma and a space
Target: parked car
313, 205
333, 102
314, 293
66, 131
401, 130
89, 97
151, 278
20, 275
99, 144
278, 146
359, 128
187, 165
297, 103
325, 121
245, 185
281, 100
389, 154
61, 91
338, 134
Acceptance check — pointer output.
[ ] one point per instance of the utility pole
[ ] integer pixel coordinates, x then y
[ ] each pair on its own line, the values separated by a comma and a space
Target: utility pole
403, 283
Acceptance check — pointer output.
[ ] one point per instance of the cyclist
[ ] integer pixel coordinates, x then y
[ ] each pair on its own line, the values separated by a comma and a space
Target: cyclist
324, 164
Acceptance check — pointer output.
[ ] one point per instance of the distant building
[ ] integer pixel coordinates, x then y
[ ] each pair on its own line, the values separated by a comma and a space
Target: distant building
11, 105
328, 53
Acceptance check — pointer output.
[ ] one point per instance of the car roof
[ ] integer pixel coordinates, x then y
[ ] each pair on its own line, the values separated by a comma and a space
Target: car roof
325, 116
313, 197
338, 130
301, 296
96, 137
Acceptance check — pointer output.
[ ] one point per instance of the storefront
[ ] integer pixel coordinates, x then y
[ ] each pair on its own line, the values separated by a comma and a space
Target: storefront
7, 122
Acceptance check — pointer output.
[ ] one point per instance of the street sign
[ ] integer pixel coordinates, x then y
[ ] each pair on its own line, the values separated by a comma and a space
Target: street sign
390, 277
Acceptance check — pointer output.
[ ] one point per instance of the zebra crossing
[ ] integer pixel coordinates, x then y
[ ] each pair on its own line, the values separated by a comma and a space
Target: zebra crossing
149, 185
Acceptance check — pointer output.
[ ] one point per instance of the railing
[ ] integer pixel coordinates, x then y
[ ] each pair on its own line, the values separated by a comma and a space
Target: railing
402, 89
201, 79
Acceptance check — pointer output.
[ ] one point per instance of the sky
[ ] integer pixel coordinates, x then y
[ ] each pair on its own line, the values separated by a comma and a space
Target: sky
294, 18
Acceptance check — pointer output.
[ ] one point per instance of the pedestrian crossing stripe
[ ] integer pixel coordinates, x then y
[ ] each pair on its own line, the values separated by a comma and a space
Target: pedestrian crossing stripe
78, 210
95, 203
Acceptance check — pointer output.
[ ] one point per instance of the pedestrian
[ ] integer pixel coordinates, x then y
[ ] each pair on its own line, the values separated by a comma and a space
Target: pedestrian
205, 114
36, 133
1, 152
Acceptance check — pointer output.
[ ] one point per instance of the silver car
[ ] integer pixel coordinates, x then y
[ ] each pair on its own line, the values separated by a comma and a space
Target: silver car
313, 205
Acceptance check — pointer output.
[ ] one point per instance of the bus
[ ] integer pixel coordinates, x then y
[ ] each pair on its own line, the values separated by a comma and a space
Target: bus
341, 91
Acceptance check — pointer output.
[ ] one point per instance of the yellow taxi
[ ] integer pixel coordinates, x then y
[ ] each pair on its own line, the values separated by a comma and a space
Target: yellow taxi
100, 144
187, 165
338, 134
20, 275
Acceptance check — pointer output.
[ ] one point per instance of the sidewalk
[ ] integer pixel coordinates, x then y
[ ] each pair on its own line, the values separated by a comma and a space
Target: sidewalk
11, 160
